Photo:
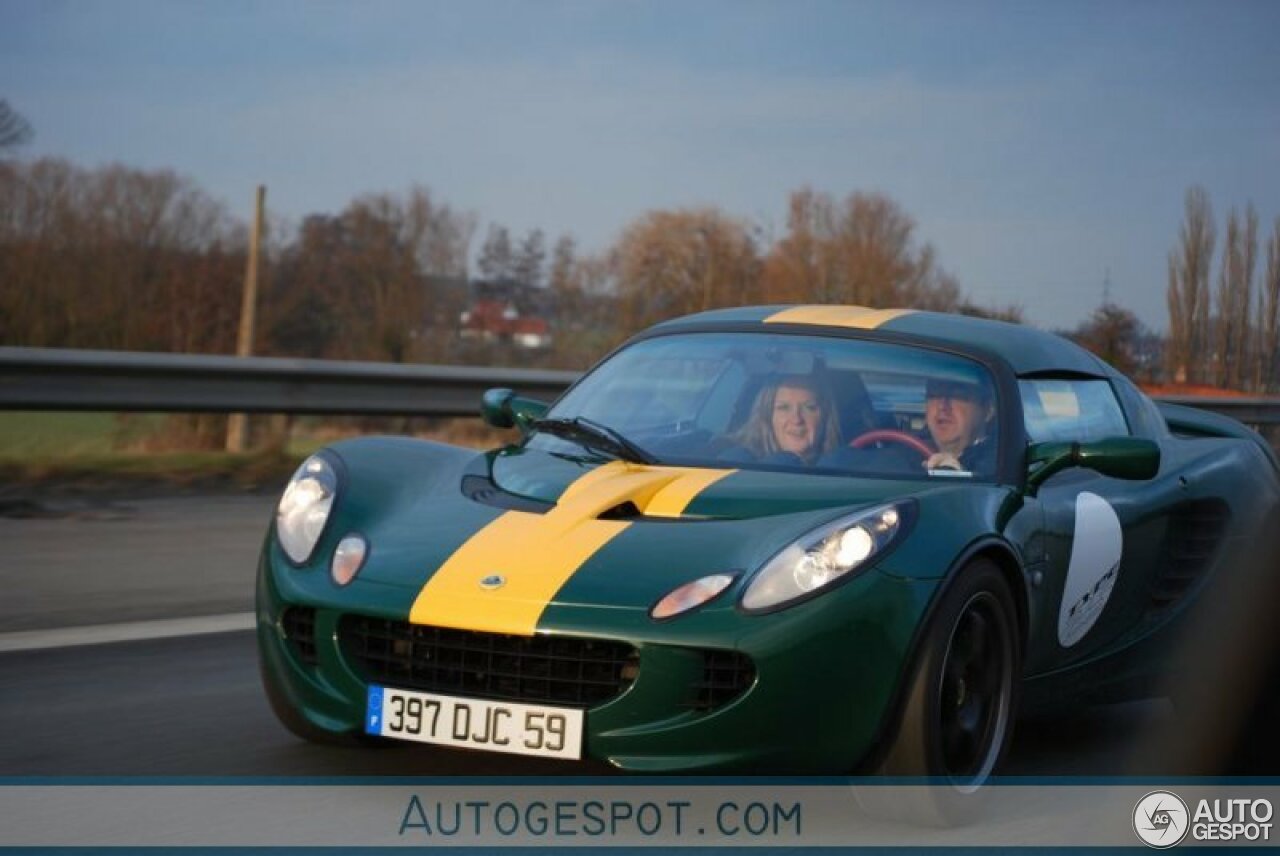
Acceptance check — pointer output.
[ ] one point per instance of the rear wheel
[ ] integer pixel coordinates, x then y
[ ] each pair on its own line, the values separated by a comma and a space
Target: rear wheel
961, 694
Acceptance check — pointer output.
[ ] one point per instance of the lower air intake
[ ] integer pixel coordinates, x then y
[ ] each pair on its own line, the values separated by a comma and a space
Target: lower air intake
548, 669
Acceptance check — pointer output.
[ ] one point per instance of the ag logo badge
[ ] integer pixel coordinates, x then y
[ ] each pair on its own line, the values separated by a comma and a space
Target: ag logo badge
1161, 819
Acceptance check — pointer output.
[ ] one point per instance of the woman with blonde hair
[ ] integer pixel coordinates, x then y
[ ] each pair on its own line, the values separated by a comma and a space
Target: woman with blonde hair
792, 417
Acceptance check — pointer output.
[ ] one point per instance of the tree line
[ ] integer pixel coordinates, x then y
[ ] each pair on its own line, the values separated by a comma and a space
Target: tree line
121, 258
1224, 333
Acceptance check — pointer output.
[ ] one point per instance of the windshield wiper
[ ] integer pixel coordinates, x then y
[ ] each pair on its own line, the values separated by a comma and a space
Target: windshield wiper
595, 436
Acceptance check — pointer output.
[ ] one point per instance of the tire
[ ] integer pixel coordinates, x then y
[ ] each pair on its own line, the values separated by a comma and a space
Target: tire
961, 699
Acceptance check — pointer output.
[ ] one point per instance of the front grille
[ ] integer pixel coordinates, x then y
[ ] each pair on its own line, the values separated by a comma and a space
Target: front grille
299, 626
552, 669
725, 676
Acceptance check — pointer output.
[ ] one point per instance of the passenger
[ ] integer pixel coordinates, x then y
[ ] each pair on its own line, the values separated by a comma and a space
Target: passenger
792, 421
960, 416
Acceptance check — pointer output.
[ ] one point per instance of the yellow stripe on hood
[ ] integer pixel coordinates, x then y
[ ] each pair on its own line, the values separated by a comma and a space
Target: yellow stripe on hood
860, 317
536, 554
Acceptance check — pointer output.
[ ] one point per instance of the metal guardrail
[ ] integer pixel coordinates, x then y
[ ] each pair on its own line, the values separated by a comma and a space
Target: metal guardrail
1250, 411
59, 379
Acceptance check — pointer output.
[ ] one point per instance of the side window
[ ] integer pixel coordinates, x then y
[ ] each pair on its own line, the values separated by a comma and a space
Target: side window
1071, 410
1144, 417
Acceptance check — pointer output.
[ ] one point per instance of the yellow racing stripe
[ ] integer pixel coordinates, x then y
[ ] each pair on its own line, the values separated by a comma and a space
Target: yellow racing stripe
860, 317
536, 554
673, 499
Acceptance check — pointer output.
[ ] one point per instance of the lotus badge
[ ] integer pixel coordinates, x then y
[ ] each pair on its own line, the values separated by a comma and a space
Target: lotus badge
493, 581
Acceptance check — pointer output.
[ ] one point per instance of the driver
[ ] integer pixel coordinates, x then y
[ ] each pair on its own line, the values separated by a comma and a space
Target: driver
792, 422
960, 416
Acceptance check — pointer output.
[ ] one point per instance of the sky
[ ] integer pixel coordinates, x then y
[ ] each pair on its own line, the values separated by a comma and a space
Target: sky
1043, 148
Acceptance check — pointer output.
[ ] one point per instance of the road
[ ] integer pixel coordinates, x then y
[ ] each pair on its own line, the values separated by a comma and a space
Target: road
85, 562
191, 705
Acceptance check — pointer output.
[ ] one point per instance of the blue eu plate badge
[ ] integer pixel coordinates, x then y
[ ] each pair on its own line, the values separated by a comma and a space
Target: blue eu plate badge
373, 718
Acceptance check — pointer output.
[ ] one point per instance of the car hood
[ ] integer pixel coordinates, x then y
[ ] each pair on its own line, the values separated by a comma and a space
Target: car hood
685, 492
548, 533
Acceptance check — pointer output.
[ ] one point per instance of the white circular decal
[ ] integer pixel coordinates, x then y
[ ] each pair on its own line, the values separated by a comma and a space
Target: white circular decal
1095, 561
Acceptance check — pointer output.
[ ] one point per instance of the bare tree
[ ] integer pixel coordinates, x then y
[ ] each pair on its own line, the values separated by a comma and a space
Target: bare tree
1267, 373
802, 266
496, 258
1114, 334
529, 259
587, 309
676, 262
560, 277
14, 129
1188, 292
114, 258
1234, 303
861, 251
1247, 345
370, 273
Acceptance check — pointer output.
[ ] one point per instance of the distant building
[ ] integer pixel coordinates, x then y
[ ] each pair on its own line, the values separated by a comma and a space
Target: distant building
510, 312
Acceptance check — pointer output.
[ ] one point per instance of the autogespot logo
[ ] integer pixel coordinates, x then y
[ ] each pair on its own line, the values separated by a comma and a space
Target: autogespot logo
1160, 819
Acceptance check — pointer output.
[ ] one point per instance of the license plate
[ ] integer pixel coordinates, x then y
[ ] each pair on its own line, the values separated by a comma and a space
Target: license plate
496, 726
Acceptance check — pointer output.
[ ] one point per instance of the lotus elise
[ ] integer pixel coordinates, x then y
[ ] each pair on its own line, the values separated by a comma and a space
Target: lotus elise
663, 574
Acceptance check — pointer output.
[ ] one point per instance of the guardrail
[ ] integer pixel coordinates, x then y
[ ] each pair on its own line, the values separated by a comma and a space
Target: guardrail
58, 379
1255, 412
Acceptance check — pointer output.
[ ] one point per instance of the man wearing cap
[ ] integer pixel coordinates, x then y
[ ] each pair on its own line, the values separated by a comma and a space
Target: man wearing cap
959, 415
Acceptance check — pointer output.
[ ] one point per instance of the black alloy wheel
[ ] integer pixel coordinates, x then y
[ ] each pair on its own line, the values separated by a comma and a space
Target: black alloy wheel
976, 690
959, 704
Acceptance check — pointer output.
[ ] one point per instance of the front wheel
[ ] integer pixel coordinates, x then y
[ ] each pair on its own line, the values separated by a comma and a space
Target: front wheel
961, 692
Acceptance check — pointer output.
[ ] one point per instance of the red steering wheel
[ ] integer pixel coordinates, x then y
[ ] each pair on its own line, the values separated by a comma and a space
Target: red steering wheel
888, 435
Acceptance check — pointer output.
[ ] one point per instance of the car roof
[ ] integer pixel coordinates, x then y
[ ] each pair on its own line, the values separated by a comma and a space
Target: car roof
1027, 350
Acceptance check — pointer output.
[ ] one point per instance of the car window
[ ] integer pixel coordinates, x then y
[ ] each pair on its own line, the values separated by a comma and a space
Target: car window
1071, 410
723, 399
1145, 419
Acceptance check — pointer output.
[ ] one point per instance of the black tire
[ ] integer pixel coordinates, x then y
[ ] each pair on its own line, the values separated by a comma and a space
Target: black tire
961, 697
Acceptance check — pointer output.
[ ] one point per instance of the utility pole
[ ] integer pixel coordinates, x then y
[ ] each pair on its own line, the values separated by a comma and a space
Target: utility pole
237, 425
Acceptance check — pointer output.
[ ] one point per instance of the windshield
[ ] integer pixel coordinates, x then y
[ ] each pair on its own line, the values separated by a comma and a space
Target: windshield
779, 401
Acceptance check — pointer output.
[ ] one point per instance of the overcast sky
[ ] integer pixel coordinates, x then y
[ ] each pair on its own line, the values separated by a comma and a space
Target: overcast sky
1038, 145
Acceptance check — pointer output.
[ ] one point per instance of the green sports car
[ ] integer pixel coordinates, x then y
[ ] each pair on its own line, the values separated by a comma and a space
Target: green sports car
806, 539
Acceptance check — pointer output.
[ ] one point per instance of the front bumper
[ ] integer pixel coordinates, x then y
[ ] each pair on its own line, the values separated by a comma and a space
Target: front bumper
826, 672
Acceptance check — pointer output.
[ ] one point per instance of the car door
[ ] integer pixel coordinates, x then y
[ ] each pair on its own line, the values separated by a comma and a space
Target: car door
1104, 537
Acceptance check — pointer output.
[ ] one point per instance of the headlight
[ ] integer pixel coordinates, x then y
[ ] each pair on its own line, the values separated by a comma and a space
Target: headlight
304, 508
826, 556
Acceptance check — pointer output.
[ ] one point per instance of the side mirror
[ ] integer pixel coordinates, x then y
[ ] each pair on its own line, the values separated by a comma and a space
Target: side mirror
502, 408
1129, 458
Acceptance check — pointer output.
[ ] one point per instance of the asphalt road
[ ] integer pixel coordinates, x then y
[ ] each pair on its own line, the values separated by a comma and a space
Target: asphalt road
193, 705
83, 562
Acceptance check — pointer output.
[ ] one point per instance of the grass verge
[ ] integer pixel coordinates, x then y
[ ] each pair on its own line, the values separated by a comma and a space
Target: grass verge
147, 473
